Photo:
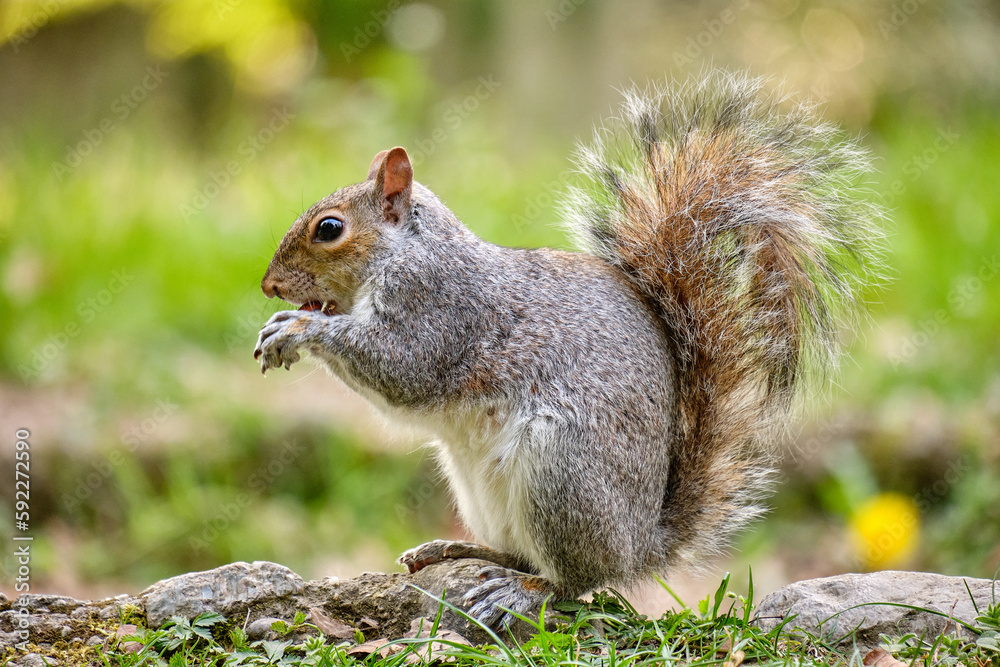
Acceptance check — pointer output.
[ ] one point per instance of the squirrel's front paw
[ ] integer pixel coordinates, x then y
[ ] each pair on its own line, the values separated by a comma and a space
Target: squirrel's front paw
504, 591
282, 336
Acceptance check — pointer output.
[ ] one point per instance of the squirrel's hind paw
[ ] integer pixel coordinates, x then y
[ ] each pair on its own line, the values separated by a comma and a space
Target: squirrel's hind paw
506, 592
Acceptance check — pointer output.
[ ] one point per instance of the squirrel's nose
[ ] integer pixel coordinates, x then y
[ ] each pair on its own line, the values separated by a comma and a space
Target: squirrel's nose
270, 286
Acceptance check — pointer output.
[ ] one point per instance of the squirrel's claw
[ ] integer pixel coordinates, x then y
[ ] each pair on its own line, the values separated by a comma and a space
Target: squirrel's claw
506, 592
279, 339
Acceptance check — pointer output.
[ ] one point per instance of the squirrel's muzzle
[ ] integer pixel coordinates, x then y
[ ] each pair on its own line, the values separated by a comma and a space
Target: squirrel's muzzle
270, 286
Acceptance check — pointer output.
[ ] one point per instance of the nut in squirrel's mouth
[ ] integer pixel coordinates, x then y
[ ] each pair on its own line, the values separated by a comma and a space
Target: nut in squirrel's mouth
325, 307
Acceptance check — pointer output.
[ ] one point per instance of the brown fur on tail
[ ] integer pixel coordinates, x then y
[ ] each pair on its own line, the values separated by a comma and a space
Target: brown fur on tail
737, 222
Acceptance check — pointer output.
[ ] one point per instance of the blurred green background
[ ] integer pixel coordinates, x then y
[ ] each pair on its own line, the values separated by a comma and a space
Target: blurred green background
152, 154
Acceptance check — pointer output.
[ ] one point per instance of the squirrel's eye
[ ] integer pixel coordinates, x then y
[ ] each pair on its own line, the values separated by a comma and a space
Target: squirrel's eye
328, 229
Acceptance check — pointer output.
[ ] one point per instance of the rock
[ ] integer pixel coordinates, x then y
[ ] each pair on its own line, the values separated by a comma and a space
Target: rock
82, 613
35, 660
52, 603
829, 607
229, 590
392, 601
385, 604
40, 623
256, 594
261, 629
37, 623
111, 608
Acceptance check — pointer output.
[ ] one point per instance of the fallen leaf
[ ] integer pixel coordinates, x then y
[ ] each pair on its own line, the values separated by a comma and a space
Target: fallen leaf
735, 657
374, 646
879, 657
420, 628
329, 626
115, 640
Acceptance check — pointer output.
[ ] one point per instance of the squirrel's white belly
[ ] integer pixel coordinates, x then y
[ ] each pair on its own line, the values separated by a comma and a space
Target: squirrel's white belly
484, 454
488, 454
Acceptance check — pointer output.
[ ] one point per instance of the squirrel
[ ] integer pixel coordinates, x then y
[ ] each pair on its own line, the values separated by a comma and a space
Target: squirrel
607, 414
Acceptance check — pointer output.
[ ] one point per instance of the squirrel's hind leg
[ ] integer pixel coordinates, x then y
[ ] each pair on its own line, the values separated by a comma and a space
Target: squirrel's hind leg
436, 551
505, 592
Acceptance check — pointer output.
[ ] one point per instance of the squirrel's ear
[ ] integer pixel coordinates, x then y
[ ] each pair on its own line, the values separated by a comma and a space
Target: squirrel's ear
376, 163
393, 180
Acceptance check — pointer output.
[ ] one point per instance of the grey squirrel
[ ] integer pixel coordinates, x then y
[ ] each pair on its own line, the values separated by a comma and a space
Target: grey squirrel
607, 414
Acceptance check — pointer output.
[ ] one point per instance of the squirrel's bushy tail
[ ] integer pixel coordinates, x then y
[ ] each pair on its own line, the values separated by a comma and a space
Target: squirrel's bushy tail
737, 222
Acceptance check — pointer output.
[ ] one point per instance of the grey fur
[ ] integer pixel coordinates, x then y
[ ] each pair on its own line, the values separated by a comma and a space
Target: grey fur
569, 375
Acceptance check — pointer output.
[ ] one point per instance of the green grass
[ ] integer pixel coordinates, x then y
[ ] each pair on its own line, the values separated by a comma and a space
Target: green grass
605, 632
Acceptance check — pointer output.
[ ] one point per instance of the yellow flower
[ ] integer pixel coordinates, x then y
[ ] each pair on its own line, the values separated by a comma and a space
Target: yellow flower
885, 530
